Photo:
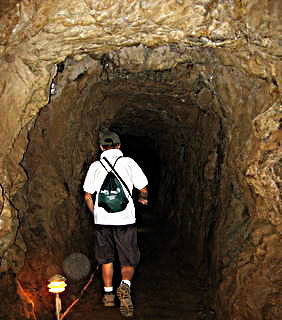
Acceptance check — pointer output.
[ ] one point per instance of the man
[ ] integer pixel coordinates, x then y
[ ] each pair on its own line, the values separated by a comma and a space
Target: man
115, 230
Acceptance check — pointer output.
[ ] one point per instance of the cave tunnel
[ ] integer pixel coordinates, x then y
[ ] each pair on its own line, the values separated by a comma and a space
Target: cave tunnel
173, 140
197, 104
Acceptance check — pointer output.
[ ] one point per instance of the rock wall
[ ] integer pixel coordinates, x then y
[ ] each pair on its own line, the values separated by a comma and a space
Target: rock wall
234, 51
53, 222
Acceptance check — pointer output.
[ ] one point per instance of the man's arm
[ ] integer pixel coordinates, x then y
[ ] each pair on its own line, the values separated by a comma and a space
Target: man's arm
89, 202
143, 196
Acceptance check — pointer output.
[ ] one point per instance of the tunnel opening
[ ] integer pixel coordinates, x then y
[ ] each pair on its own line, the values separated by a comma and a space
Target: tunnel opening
177, 140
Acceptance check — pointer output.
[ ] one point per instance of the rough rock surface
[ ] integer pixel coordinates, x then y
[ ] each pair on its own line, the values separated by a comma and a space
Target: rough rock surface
211, 68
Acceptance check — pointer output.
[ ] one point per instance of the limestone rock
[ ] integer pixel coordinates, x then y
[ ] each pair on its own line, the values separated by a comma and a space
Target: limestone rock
199, 80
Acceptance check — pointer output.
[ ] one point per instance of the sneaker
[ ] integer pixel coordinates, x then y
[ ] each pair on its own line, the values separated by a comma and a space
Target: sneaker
109, 299
126, 306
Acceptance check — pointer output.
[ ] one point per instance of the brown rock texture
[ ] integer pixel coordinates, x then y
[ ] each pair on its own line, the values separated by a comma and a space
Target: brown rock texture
201, 80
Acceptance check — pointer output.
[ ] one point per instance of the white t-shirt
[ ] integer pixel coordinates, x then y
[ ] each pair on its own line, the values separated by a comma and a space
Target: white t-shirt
131, 174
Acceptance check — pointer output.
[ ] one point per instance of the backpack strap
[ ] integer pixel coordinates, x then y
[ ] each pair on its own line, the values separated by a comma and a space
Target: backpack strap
109, 163
118, 176
103, 165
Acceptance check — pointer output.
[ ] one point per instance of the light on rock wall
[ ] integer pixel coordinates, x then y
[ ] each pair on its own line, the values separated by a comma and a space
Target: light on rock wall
57, 285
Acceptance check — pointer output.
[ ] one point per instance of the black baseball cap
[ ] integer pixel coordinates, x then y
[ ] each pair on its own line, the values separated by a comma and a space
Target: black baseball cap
108, 138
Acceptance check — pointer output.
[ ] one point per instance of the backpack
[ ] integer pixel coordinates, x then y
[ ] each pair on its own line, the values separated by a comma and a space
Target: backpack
111, 196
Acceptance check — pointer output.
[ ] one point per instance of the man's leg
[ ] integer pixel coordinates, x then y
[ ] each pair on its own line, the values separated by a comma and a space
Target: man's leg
104, 253
107, 274
127, 272
129, 256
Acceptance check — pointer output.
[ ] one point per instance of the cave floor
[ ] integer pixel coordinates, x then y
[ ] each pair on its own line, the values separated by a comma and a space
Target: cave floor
164, 287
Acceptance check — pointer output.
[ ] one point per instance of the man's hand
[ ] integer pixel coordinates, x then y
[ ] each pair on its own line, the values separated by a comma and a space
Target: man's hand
143, 196
89, 202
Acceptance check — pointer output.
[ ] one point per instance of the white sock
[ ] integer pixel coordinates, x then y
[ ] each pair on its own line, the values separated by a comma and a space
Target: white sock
108, 289
128, 282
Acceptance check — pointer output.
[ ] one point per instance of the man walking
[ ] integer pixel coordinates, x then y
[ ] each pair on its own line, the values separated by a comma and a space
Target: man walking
115, 231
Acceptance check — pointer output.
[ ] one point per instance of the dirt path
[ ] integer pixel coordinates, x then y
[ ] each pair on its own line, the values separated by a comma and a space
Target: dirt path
160, 290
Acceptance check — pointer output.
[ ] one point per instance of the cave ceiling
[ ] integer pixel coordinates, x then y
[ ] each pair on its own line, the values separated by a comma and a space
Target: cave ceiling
136, 35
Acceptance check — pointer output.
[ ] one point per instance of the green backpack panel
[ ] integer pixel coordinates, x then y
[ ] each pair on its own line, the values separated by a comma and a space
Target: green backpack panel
111, 196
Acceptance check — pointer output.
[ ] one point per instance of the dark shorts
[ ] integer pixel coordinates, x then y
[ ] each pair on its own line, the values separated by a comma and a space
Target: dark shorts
120, 241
